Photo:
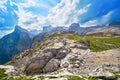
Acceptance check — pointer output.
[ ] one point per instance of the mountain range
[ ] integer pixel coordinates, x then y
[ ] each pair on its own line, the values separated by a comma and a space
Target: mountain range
68, 56
61, 53
21, 39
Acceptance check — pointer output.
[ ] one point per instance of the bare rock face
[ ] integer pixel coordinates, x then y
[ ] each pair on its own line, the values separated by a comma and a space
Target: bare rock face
37, 63
58, 45
46, 61
52, 65
62, 53
74, 56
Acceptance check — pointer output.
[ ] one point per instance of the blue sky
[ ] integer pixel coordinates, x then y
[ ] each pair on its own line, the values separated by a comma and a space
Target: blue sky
33, 14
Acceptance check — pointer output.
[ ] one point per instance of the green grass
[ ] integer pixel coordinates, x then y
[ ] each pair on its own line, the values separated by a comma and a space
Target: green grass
91, 78
74, 78
52, 77
23, 78
117, 74
97, 43
3, 76
75, 37
31, 52
42, 77
57, 35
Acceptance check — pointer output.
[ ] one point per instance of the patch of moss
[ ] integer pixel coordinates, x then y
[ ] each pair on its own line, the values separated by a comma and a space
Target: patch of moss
74, 78
52, 44
42, 77
31, 52
52, 77
75, 37
23, 78
3, 76
57, 35
91, 78
117, 74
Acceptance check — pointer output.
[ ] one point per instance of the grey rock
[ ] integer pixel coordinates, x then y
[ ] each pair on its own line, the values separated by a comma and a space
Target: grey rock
36, 64
62, 53
52, 65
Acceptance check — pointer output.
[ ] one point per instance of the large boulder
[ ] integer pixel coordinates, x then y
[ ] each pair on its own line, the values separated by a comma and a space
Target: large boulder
52, 65
46, 61
36, 64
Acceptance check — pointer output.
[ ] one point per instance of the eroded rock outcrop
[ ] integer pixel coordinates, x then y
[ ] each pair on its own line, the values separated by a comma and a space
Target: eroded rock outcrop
56, 54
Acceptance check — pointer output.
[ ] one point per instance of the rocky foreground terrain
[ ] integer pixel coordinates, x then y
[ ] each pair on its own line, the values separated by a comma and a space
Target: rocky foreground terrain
66, 57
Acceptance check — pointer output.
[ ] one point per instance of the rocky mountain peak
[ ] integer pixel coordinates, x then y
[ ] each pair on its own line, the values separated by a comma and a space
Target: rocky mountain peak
13, 43
47, 28
19, 29
74, 26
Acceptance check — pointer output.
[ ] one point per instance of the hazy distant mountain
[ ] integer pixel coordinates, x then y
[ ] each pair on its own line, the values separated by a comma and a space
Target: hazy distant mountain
54, 29
74, 27
106, 29
80, 30
59, 29
113, 28
47, 28
47, 31
115, 23
14, 43
35, 32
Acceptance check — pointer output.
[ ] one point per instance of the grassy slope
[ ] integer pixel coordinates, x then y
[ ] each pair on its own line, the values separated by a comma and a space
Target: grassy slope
98, 43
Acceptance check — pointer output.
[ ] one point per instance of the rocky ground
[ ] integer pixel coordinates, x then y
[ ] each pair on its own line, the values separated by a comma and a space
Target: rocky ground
63, 59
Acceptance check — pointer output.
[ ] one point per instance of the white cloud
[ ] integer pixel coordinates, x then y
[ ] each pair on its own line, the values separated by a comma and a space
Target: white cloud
99, 21
27, 20
28, 3
5, 32
2, 5
90, 23
64, 13
105, 18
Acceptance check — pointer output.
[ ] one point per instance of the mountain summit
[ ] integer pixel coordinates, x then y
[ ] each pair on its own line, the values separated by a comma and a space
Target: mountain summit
19, 29
74, 26
11, 44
